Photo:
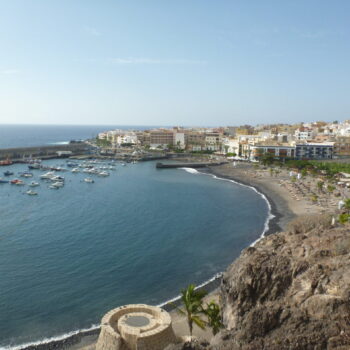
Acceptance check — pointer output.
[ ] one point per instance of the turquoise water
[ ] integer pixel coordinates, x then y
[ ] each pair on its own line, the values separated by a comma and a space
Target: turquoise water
138, 236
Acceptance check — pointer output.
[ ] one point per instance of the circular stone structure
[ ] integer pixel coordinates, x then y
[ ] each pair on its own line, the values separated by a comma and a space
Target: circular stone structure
136, 327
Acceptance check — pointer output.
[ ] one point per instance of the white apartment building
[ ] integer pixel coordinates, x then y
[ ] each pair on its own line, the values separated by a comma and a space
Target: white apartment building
179, 140
304, 134
129, 138
230, 145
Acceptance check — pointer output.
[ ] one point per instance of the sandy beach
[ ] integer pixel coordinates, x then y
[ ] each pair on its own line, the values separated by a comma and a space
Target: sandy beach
288, 200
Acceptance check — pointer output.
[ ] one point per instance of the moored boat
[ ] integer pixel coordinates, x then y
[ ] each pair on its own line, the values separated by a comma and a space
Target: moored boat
32, 193
34, 184
89, 180
8, 173
34, 166
47, 175
57, 178
26, 174
17, 182
6, 162
58, 184
2, 181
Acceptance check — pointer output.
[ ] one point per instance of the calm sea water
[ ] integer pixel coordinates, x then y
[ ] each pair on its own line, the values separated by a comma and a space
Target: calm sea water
38, 135
68, 256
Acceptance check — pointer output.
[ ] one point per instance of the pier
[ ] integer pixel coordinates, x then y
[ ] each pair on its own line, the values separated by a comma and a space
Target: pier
187, 165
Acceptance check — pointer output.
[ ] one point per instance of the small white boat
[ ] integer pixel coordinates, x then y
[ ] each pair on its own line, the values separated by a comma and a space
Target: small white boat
75, 170
89, 180
123, 164
57, 178
103, 173
26, 175
53, 187
32, 193
47, 175
58, 184
34, 184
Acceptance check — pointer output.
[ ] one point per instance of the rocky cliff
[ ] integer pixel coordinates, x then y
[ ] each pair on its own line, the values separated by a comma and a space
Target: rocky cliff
290, 291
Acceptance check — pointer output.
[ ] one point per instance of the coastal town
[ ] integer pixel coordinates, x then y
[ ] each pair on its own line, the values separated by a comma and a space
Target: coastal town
317, 140
175, 175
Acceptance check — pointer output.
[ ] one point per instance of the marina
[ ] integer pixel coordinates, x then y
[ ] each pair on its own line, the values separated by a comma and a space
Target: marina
52, 178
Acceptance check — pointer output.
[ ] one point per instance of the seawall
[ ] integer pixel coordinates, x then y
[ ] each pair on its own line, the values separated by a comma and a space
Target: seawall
42, 151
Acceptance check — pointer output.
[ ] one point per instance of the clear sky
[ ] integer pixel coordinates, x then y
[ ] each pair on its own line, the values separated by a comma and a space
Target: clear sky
179, 62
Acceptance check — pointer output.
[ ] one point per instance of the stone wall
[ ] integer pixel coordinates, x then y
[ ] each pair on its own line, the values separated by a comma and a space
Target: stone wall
116, 334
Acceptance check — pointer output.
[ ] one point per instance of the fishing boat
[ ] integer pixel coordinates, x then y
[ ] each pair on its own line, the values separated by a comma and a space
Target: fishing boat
34, 184
8, 173
34, 166
89, 180
26, 174
6, 162
32, 193
17, 182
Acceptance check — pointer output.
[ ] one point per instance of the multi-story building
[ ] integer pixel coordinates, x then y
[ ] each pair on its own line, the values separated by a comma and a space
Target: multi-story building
304, 134
161, 138
342, 146
277, 151
194, 140
314, 150
179, 140
213, 141
128, 138
230, 145
298, 151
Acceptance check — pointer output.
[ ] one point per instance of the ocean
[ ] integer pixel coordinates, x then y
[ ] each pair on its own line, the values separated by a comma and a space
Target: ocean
67, 256
41, 135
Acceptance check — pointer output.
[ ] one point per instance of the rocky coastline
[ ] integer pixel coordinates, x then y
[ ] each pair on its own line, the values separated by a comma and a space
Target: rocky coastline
291, 291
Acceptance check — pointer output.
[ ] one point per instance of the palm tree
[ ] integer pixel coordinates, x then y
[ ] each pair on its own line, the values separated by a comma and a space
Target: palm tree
213, 313
192, 300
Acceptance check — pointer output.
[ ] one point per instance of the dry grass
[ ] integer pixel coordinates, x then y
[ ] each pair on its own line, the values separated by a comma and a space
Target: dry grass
306, 223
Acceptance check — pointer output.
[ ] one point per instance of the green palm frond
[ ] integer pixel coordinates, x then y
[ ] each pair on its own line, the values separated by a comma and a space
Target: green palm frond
199, 322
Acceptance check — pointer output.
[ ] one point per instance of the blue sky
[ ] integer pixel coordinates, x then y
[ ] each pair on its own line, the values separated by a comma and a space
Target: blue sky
183, 62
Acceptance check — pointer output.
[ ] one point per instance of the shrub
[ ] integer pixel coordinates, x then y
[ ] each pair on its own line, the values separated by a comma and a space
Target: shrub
306, 223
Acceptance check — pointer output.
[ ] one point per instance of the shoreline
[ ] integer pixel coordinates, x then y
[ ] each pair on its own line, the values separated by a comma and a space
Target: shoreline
279, 216
280, 209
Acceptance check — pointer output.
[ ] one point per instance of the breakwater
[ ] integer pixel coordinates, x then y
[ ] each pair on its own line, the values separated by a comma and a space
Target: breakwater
44, 152
187, 165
